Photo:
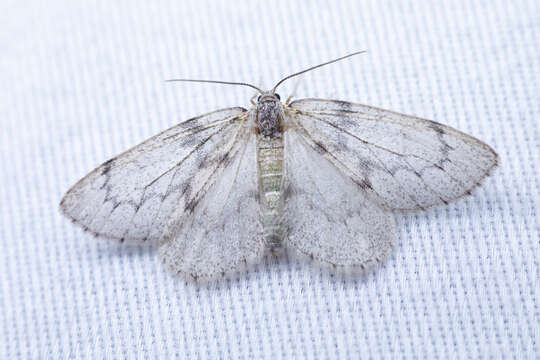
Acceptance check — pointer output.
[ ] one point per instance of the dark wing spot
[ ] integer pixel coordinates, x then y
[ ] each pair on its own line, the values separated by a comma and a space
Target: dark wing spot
364, 184
186, 190
106, 166
225, 159
438, 129
203, 163
115, 205
287, 191
320, 148
191, 205
343, 105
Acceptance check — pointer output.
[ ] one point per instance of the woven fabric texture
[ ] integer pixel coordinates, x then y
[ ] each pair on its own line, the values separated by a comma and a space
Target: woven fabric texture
83, 81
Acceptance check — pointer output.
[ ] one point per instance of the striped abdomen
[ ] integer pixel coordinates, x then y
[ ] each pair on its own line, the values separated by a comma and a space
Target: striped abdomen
270, 162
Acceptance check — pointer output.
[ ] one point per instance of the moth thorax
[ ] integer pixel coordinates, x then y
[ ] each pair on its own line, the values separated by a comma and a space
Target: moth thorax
269, 118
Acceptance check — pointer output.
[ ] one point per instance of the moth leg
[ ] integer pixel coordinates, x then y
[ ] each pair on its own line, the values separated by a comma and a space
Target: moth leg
253, 97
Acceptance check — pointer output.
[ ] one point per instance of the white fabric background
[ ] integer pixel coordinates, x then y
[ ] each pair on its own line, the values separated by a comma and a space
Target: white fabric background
81, 82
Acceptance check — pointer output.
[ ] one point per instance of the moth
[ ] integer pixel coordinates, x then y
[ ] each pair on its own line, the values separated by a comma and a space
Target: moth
320, 177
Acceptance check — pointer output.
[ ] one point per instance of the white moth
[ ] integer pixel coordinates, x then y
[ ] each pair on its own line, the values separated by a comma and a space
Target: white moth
218, 191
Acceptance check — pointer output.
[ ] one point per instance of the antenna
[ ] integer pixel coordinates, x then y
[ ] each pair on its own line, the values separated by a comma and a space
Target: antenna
315, 67
218, 82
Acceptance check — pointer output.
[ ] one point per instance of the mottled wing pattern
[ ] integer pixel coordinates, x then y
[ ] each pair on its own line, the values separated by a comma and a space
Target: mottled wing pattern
402, 161
223, 232
329, 217
132, 196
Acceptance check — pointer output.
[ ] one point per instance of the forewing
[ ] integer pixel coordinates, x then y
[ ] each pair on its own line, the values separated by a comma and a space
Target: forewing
329, 216
404, 161
132, 196
223, 231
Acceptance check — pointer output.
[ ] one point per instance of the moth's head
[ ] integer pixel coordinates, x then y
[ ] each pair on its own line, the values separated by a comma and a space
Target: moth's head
269, 96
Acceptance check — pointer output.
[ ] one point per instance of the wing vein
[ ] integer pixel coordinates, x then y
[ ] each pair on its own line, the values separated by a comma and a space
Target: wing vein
403, 156
229, 192
333, 159
367, 143
167, 140
141, 200
430, 124
204, 188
